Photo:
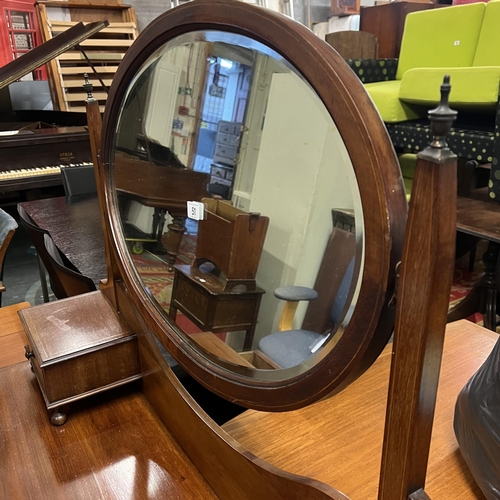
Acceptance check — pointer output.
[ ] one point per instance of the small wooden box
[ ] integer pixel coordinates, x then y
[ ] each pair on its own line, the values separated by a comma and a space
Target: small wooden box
78, 347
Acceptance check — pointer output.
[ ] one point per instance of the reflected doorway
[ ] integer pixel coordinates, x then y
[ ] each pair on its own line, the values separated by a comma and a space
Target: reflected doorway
222, 114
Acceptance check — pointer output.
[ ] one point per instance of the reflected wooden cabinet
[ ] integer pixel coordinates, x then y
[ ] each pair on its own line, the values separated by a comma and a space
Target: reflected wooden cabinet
218, 292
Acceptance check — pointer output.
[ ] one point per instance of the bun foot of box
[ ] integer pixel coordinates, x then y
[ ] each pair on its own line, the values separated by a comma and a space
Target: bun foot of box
58, 418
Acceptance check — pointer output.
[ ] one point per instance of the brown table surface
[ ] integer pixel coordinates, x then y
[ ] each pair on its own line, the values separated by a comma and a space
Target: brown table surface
76, 229
339, 440
116, 448
479, 218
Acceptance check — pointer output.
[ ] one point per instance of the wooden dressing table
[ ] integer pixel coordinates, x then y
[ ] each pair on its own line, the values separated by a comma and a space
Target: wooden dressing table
102, 449
156, 440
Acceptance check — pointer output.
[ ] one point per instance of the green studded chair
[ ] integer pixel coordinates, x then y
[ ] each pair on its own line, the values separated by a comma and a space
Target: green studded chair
463, 41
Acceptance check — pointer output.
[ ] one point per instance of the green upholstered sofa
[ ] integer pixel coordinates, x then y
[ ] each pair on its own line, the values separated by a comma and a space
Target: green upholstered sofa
464, 42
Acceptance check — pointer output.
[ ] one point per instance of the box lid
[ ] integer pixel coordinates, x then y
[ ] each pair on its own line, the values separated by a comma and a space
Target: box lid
68, 326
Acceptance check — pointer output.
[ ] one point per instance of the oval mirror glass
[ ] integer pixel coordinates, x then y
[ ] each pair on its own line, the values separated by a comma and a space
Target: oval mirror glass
239, 204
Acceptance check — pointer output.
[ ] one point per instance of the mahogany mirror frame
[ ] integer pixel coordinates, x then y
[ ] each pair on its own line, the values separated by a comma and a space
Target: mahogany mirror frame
380, 186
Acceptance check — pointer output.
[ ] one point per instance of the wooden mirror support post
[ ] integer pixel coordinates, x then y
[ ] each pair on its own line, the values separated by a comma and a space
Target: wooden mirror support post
422, 304
94, 122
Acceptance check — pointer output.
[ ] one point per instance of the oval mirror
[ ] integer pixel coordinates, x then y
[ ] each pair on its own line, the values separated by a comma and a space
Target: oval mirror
256, 202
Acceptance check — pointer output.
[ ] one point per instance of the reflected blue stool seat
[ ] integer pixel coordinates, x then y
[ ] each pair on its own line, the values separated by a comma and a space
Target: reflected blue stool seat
295, 293
289, 348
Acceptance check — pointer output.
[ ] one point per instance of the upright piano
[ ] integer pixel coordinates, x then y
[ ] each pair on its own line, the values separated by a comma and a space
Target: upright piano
35, 145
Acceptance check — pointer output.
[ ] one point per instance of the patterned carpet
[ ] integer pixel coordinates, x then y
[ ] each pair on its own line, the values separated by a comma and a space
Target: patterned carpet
159, 280
463, 281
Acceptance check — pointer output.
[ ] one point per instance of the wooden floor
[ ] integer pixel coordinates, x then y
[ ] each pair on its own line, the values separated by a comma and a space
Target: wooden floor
12, 336
339, 440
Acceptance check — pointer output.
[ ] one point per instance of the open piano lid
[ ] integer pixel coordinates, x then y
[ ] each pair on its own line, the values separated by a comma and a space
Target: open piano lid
47, 51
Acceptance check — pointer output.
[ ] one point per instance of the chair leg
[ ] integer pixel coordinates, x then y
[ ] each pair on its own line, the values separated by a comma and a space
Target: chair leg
43, 280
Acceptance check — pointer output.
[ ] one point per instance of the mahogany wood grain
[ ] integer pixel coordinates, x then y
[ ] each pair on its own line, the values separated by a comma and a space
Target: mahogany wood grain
115, 448
94, 121
79, 346
12, 336
422, 304
159, 185
216, 346
339, 440
75, 324
75, 227
205, 300
232, 239
354, 44
232, 471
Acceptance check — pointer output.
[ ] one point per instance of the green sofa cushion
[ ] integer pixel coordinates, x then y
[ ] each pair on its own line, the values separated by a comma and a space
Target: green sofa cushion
487, 52
442, 37
385, 96
474, 87
408, 162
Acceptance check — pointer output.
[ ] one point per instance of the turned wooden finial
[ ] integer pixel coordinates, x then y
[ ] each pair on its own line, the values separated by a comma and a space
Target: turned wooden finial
88, 88
441, 120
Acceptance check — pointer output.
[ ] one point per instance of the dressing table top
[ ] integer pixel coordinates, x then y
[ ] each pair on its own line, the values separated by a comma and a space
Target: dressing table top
115, 448
339, 440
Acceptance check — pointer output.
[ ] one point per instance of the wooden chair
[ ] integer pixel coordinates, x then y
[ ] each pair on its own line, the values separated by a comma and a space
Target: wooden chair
78, 181
73, 282
36, 235
8, 227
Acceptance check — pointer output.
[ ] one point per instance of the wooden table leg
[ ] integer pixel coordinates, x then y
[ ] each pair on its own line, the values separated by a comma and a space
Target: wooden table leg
483, 297
174, 239
158, 225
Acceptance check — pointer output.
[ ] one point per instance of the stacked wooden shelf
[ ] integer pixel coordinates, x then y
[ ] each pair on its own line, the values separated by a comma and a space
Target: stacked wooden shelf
105, 49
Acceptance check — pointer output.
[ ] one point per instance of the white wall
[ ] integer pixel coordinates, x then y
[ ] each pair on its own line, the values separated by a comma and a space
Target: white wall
300, 177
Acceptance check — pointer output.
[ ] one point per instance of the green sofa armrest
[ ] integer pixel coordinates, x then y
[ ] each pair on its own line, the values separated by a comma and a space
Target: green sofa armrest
374, 70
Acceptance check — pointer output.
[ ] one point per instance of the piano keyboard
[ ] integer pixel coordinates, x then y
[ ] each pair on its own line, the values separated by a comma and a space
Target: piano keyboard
32, 172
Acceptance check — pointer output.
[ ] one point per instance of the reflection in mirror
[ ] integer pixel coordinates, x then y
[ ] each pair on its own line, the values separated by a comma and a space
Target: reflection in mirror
239, 203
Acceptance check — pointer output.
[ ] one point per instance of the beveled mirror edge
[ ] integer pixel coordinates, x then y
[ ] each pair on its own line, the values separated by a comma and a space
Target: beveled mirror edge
384, 204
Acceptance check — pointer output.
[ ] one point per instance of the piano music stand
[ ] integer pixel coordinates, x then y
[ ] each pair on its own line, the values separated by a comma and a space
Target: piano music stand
47, 51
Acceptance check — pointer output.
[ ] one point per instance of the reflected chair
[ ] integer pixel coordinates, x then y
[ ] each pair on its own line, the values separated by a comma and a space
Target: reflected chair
73, 282
79, 181
8, 227
328, 301
290, 347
